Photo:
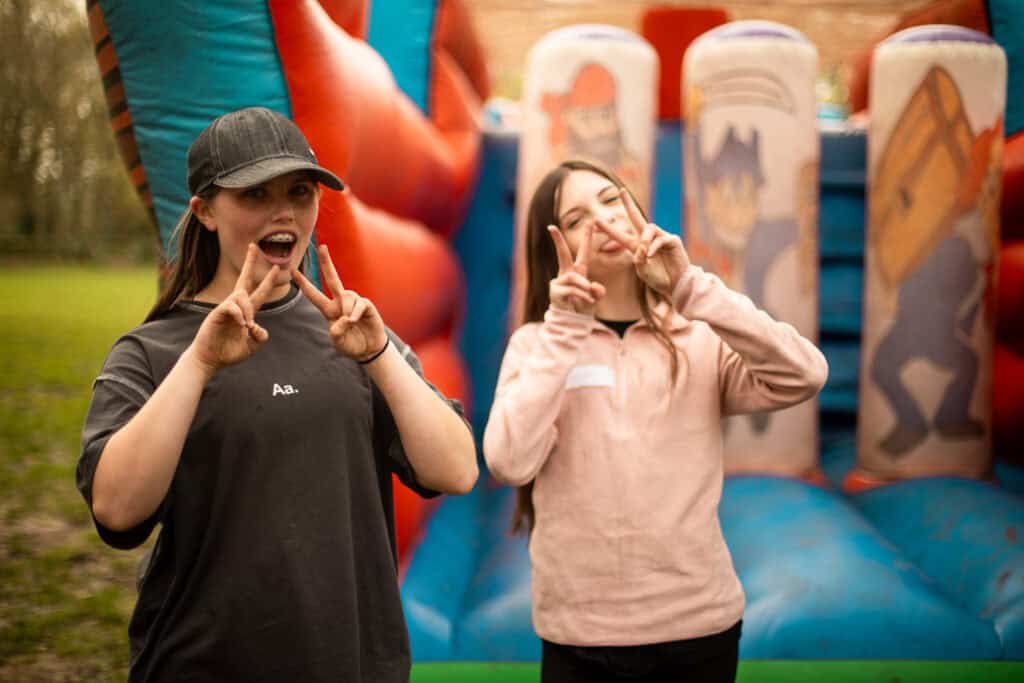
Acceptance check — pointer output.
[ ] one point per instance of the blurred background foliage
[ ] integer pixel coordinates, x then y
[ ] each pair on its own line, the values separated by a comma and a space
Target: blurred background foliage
64, 192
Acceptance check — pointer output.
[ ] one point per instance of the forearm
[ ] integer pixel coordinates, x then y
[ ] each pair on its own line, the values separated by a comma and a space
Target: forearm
774, 351
437, 441
138, 463
519, 435
521, 430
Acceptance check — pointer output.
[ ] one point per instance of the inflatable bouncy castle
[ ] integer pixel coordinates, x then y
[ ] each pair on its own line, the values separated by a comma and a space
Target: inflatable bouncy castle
853, 571
876, 533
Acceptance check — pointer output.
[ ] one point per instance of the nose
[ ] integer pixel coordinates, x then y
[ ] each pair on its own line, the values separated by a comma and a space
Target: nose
283, 211
606, 213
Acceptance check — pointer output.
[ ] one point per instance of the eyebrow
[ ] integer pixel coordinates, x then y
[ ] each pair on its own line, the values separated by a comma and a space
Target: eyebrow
601, 192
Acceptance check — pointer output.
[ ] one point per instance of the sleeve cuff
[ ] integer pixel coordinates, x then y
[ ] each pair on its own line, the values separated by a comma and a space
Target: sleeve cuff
568, 323
684, 288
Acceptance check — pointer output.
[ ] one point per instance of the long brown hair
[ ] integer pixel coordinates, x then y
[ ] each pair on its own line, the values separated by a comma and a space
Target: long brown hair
196, 254
542, 267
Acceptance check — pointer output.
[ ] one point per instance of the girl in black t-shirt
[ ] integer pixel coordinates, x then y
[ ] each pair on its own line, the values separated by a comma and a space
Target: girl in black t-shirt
267, 464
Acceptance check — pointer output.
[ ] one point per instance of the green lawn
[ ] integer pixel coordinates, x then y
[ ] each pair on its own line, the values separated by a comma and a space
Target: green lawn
65, 598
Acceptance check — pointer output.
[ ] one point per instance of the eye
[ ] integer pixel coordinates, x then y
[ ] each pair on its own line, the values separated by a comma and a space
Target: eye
256, 192
303, 189
610, 199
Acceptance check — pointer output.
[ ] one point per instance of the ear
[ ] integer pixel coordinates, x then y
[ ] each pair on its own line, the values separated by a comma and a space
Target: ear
201, 209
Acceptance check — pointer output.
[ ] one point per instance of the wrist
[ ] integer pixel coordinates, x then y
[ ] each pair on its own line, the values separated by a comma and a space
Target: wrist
366, 360
569, 315
203, 368
683, 288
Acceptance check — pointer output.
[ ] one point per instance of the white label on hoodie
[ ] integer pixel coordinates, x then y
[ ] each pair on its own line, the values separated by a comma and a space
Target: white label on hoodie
590, 376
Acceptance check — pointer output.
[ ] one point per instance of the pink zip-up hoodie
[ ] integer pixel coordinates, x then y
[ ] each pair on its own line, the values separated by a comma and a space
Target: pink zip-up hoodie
627, 548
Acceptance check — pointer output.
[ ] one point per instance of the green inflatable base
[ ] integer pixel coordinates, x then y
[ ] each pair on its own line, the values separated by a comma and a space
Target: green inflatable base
752, 671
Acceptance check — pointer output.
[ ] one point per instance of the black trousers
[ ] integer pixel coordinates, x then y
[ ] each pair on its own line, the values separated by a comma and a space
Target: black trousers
708, 659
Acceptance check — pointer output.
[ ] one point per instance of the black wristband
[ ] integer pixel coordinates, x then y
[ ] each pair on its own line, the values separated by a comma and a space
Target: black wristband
387, 341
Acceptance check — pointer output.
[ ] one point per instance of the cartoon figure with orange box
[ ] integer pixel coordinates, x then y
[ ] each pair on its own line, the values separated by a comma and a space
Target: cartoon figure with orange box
937, 182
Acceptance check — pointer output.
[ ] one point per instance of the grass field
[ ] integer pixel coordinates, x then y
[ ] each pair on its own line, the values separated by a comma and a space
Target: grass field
65, 598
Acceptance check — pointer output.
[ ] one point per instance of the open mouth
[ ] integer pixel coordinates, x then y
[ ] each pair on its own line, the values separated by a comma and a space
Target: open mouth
278, 246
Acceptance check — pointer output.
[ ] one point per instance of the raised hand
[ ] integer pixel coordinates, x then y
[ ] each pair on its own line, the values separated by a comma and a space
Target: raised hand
355, 326
230, 333
660, 257
571, 290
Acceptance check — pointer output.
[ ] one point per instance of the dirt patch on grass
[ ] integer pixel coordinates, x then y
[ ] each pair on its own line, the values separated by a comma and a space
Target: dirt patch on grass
65, 598
47, 667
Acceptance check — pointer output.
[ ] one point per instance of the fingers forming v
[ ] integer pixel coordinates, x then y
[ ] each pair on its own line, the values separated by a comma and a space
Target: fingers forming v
260, 294
330, 274
244, 281
633, 211
582, 261
627, 240
312, 293
657, 243
561, 250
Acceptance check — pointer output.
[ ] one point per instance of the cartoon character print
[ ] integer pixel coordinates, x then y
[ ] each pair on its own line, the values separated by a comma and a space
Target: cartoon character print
584, 123
732, 238
932, 191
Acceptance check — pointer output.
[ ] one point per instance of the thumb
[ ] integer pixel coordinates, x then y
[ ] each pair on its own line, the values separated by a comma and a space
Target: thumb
258, 333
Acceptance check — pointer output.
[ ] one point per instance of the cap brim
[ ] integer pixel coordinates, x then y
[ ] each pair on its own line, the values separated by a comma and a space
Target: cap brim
268, 169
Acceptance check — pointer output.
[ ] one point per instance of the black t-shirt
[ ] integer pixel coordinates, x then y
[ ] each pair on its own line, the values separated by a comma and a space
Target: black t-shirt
276, 556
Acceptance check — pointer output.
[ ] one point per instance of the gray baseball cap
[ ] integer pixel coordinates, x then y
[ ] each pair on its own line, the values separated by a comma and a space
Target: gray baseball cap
248, 147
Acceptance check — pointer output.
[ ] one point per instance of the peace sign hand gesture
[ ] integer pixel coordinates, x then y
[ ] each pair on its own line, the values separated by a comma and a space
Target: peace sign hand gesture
230, 333
355, 326
571, 290
659, 257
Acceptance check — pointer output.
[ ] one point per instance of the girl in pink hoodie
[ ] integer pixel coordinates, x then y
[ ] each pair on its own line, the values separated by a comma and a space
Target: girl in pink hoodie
607, 416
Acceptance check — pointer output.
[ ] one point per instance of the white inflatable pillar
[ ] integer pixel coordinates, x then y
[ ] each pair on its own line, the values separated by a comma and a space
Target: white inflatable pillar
937, 100
751, 158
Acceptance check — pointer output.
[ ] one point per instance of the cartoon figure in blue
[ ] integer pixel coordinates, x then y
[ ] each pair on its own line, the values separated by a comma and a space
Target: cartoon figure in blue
730, 236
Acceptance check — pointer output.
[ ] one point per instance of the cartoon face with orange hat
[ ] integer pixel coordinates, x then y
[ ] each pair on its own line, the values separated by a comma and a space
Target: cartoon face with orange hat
585, 124
591, 120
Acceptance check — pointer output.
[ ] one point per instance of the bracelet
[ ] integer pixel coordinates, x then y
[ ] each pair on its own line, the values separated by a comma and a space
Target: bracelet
387, 341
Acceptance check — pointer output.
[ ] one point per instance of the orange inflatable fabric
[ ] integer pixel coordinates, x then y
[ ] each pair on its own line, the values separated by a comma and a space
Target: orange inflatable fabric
1008, 361
1010, 307
390, 155
353, 16
1011, 212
